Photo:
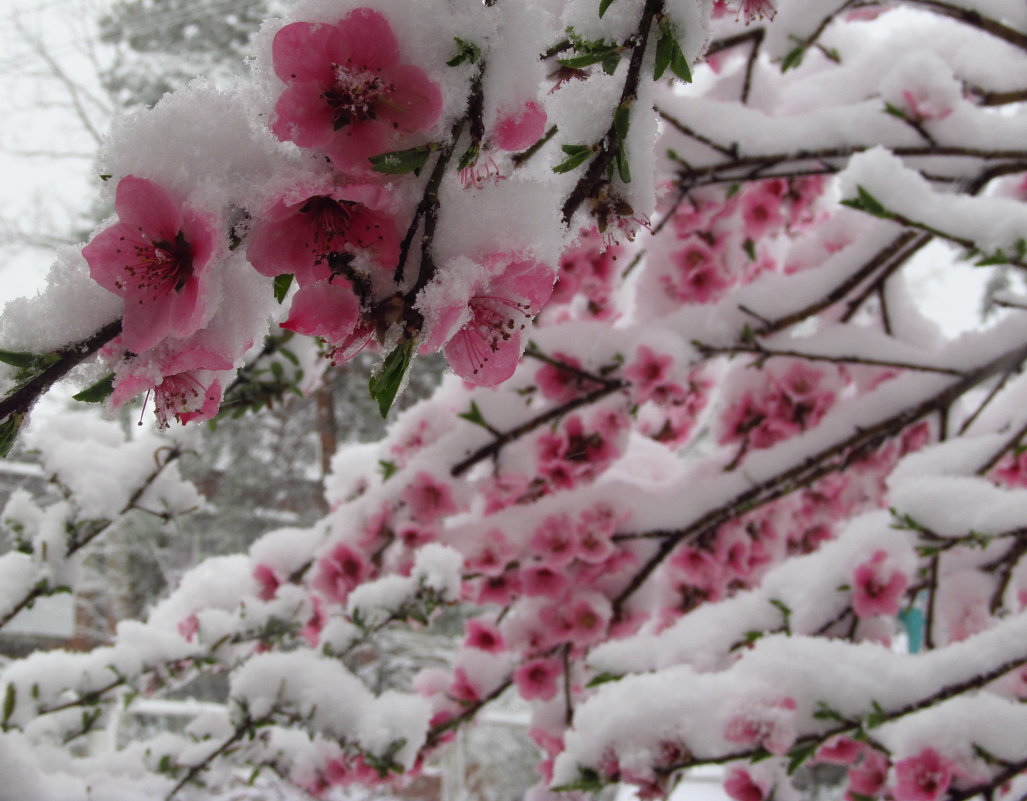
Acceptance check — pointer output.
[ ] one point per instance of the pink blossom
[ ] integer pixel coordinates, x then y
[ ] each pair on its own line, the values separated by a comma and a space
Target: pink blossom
554, 540
187, 627
770, 724
648, 372
499, 589
428, 498
757, 9
868, 775
761, 211
840, 750
588, 617
327, 309
876, 589
267, 580
492, 555
464, 689
922, 107
538, 679
156, 258
519, 128
186, 384
741, 787
311, 630
347, 92
314, 231
700, 274
486, 344
339, 572
924, 777
543, 580
484, 636
559, 384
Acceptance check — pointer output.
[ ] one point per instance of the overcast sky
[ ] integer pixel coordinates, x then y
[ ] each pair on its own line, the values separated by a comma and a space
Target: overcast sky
47, 183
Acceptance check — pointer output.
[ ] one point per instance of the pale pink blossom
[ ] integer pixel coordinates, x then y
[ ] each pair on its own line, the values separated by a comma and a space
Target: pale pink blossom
339, 572
770, 724
428, 498
877, 587
267, 580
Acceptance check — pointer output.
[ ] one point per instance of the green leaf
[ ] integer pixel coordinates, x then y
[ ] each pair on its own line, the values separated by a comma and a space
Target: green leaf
9, 699
824, 712
282, 284
750, 249
9, 429
473, 415
610, 63
864, 201
574, 161
469, 157
603, 5
105, 176
800, 754
98, 392
385, 386
998, 257
985, 755
584, 60
793, 59
603, 678
623, 169
669, 54
622, 121
18, 358
387, 468
876, 717
664, 53
588, 781
679, 64
895, 111
466, 53
400, 162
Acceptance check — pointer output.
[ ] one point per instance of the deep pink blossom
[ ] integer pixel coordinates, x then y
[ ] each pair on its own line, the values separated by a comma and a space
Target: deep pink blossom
156, 257
484, 636
519, 128
268, 581
740, 786
924, 777
315, 231
877, 587
347, 92
538, 679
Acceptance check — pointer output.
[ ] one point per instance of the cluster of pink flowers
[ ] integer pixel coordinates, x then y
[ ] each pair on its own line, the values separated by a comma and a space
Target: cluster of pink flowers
787, 402
718, 232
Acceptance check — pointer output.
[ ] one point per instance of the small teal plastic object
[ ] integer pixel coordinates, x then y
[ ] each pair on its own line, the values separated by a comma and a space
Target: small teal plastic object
913, 621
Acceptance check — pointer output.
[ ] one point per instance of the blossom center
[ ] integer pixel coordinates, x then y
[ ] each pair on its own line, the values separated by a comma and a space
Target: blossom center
162, 266
330, 221
355, 95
